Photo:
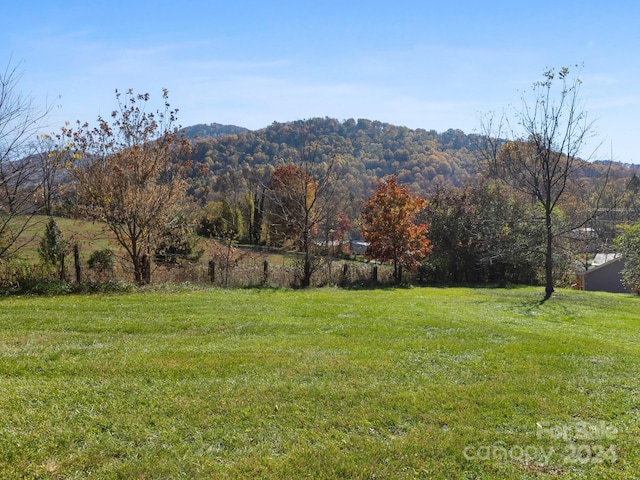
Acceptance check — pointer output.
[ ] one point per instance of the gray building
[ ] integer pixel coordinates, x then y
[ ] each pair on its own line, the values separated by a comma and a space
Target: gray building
606, 277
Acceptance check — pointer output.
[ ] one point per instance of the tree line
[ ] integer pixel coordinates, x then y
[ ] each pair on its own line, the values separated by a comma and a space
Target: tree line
503, 206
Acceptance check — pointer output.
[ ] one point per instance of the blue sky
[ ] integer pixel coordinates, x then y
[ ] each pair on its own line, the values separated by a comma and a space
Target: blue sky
422, 64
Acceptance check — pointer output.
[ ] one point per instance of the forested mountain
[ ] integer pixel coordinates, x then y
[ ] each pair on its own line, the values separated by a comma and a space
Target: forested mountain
368, 150
212, 130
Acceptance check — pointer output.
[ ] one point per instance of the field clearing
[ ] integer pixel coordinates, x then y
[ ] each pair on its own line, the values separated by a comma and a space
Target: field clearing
324, 383
89, 235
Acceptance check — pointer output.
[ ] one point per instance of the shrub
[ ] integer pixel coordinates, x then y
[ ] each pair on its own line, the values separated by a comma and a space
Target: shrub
53, 247
102, 261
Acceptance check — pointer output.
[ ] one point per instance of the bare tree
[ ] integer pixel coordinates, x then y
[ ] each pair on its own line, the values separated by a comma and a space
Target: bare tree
537, 151
300, 196
52, 157
20, 121
128, 176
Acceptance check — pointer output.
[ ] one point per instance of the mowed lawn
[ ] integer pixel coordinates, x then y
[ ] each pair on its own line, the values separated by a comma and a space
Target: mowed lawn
391, 383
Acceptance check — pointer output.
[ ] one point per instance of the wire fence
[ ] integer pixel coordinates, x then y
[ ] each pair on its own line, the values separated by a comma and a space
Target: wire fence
263, 273
250, 271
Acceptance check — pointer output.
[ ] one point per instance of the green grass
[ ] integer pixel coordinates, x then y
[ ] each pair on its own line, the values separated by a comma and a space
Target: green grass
89, 235
394, 383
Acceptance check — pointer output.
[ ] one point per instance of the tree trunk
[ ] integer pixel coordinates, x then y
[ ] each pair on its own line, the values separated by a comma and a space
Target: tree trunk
146, 269
76, 262
345, 273
137, 269
255, 230
62, 268
395, 269
212, 271
548, 260
306, 280
307, 268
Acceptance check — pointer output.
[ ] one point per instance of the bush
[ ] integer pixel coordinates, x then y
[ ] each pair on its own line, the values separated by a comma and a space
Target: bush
53, 247
102, 262
628, 243
178, 243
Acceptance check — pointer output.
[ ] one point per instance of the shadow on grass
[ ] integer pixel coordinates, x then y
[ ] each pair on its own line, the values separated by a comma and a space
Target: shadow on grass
440, 286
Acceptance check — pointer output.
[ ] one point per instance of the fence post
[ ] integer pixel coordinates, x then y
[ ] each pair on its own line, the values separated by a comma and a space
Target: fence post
345, 271
76, 262
265, 272
62, 269
212, 271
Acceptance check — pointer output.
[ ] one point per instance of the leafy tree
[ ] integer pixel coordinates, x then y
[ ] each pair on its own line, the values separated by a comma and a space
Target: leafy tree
220, 220
542, 156
507, 235
453, 255
628, 244
339, 236
209, 222
128, 176
54, 154
481, 233
232, 218
102, 261
53, 247
388, 225
254, 206
20, 120
291, 193
177, 243
251, 205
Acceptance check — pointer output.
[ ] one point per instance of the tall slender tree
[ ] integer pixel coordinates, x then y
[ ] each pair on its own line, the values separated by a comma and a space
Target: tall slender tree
544, 139
53, 247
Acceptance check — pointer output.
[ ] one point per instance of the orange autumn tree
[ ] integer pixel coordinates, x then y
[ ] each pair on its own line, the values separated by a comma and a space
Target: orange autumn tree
292, 201
388, 226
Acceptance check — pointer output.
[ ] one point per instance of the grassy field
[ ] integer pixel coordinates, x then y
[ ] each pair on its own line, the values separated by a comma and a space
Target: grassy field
326, 383
90, 235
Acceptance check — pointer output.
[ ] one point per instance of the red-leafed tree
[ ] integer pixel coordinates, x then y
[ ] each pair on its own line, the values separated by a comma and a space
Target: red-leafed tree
340, 235
389, 228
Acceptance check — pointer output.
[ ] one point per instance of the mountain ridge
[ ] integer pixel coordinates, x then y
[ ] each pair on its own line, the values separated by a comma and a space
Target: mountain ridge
368, 150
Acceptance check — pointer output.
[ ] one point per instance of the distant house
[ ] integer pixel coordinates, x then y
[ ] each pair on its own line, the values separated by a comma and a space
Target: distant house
604, 277
358, 248
602, 258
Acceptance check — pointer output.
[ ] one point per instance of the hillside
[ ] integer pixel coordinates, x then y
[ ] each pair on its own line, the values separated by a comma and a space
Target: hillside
368, 150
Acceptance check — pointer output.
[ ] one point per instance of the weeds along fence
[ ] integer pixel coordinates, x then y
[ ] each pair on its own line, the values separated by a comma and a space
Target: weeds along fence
249, 272
262, 273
